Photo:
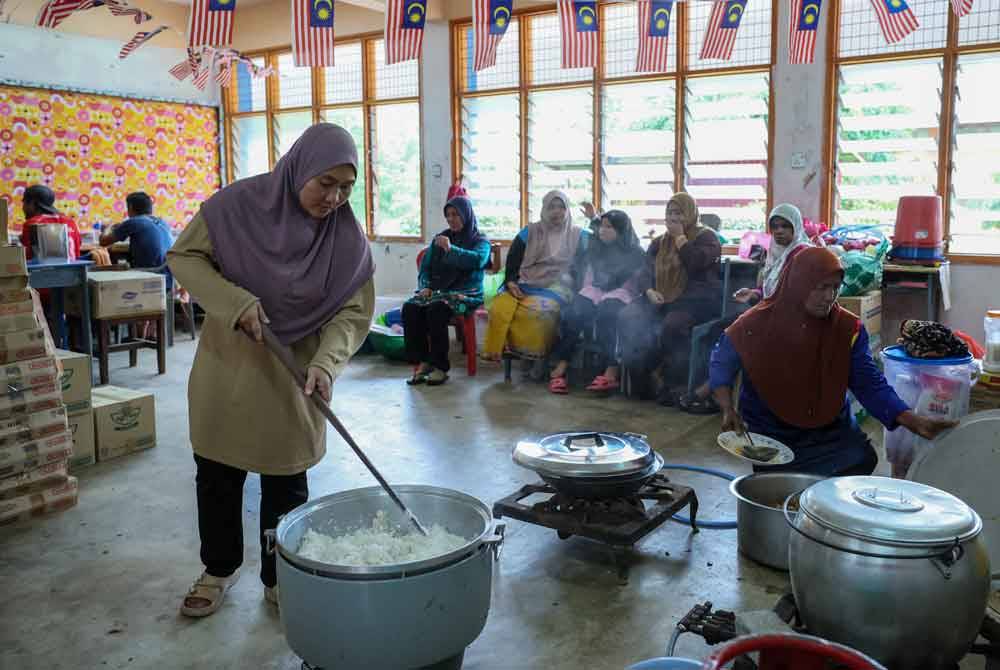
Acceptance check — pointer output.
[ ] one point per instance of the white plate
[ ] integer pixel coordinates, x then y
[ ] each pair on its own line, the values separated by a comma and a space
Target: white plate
734, 443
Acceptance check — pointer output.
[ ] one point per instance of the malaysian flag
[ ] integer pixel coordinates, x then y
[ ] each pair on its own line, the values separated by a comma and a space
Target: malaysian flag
138, 40
211, 23
962, 7
895, 18
122, 8
578, 23
490, 19
723, 24
312, 33
404, 29
802, 31
55, 12
654, 35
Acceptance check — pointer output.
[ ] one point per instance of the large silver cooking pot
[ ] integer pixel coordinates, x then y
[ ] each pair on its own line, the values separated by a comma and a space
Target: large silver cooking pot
894, 569
763, 532
392, 617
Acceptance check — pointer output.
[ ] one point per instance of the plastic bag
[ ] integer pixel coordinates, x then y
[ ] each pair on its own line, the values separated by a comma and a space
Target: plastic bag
863, 260
753, 239
491, 285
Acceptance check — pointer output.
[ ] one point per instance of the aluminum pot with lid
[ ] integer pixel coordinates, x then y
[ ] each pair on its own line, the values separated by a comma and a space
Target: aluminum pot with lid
892, 568
591, 464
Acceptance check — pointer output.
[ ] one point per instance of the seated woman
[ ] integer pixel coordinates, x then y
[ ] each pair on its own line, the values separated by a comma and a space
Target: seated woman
538, 283
450, 282
609, 274
788, 238
800, 353
681, 289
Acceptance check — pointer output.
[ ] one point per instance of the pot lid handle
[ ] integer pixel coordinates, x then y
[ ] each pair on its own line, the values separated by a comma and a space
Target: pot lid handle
594, 438
890, 499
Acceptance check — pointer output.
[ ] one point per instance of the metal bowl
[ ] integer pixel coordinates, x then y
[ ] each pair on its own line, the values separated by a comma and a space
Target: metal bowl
762, 529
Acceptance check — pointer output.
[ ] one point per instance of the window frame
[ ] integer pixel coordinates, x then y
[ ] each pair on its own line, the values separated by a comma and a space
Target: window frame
679, 75
368, 104
949, 54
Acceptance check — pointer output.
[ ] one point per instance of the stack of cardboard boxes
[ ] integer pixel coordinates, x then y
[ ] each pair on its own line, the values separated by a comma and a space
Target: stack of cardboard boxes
868, 309
35, 441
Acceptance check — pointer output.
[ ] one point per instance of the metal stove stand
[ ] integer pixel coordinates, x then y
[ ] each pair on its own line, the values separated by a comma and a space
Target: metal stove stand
618, 522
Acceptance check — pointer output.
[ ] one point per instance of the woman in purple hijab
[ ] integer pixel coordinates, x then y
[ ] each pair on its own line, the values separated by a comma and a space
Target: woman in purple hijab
282, 249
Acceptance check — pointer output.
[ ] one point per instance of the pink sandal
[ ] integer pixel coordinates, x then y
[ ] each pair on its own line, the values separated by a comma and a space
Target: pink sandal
602, 383
558, 386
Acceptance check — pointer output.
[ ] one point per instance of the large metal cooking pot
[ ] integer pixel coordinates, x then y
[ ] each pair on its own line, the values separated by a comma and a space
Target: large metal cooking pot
396, 617
892, 568
762, 529
591, 464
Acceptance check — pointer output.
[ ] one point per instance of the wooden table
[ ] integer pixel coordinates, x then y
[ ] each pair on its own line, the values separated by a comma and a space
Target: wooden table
59, 276
895, 277
117, 250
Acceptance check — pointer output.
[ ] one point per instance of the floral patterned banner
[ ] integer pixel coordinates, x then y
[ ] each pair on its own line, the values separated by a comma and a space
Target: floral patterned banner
93, 150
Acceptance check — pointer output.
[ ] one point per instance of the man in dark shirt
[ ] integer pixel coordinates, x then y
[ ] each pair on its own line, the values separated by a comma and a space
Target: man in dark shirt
149, 237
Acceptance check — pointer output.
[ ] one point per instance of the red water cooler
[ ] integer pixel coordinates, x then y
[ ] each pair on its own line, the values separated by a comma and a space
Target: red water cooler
919, 233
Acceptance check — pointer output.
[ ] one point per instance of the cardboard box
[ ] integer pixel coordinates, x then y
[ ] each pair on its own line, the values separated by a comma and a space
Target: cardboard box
868, 308
124, 421
12, 262
47, 501
29, 455
14, 295
35, 480
18, 322
81, 426
24, 344
116, 294
19, 307
28, 427
76, 380
31, 400
17, 283
27, 374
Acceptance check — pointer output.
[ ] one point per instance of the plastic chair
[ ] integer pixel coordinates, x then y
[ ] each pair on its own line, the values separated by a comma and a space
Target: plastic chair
790, 651
665, 663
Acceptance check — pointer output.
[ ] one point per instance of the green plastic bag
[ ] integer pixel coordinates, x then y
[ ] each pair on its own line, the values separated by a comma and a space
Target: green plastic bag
863, 269
491, 286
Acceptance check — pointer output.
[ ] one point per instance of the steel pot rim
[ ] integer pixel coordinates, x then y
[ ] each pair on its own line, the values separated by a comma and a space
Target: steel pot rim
734, 487
492, 533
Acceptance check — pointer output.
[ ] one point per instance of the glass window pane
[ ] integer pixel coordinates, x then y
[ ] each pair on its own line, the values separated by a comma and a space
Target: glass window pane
249, 136
560, 146
887, 130
620, 41
860, 34
294, 83
726, 150
504, 74
396, 169
491, 162
982, 25
975, 222
352, 119
753, 40
249, 93
546, 53
400, 80
638, 151
288, 127
343, 81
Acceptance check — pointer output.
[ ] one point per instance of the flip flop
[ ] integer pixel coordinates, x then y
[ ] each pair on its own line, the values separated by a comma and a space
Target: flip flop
437, 378
694, 405
558, 386
417, 378
206, 595
602, 383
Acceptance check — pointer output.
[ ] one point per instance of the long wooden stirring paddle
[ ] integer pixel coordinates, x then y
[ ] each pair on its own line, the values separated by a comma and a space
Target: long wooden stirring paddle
286, 358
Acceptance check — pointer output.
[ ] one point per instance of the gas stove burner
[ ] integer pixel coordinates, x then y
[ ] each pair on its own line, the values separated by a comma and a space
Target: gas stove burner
616, 521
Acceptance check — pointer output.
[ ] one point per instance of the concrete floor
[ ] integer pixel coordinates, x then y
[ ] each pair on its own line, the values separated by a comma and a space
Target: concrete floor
99, 586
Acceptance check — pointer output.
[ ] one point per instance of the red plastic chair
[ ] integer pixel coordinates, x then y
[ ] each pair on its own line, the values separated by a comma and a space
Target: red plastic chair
789, 651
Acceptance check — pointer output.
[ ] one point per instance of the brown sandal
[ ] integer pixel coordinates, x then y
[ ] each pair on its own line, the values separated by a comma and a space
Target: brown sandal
206, 594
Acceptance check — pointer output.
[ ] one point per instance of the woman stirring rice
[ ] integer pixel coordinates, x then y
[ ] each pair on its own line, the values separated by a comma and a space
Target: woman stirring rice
283, 249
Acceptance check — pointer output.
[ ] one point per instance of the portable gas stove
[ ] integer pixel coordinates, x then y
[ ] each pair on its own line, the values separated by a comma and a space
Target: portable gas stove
619, 521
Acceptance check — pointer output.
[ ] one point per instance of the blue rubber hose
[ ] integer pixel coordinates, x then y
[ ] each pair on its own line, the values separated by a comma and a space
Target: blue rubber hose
714, 525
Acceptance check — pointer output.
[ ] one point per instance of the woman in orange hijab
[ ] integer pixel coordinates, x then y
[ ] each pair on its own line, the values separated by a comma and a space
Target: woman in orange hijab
800, 353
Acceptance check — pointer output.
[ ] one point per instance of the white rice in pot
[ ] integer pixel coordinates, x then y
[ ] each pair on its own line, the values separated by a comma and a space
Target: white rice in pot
381, 544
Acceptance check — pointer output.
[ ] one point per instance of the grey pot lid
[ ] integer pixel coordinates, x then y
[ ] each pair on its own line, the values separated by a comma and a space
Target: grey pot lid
585, 454
888, 510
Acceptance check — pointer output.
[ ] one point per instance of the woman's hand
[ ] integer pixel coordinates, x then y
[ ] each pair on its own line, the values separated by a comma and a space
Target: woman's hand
654, 296
731, 420
744, 295
443, 242
588, 210
251, 322
515, 290
923, 426
425, 293
318, 381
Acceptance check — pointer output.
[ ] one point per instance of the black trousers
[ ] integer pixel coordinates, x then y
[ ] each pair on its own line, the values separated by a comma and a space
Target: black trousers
579, 318
220, 514
425, 329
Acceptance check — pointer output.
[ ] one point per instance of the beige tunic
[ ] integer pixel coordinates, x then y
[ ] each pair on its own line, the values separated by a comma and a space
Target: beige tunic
245, 410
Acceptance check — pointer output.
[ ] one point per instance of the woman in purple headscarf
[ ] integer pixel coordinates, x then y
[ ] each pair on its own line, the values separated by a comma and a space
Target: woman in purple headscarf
282, 249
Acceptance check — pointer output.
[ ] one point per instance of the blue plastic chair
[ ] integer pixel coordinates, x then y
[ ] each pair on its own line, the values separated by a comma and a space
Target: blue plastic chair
664, 663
